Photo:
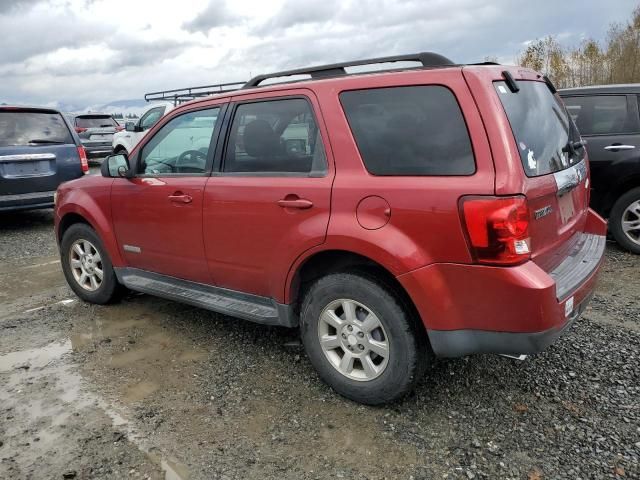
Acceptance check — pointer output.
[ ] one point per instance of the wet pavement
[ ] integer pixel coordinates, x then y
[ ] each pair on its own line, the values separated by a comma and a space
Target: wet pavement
149, 388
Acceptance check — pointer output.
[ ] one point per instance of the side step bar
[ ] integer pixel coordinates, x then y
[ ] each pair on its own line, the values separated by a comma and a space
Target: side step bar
228, 302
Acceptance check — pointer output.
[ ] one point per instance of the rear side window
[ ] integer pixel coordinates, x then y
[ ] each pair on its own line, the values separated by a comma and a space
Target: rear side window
541, 126
416, 130
275, 137
602, 114
32, 128
95, 122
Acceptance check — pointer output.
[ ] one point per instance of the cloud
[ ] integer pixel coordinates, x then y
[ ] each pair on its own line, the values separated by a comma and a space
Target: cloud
13, 5
216, 14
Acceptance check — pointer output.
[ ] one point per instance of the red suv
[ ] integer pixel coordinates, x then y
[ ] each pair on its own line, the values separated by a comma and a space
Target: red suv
392, 215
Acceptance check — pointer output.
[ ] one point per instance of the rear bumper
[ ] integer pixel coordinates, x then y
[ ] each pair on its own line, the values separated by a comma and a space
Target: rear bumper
26, 201
95, 150
512, 310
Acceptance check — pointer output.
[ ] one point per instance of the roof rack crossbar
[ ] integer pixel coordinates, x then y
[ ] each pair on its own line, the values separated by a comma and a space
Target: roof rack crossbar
427, 59
180, 95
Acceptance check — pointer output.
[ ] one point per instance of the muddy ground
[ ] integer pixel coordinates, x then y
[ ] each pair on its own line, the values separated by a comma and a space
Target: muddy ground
148, 388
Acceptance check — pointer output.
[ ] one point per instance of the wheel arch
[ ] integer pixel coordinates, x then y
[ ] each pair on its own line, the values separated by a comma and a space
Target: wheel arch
324, 262
629, 183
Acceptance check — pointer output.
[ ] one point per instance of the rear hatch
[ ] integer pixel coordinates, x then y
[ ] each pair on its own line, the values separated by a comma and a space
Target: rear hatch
37, 151
549, 151
96, 130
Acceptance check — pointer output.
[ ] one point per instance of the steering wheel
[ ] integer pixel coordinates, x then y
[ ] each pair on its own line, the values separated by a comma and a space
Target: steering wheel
193, 154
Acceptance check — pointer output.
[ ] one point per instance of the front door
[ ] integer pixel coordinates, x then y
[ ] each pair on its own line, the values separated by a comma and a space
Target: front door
270, 199
157, 215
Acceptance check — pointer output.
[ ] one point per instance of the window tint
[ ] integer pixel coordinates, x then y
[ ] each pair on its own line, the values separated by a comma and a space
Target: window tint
95, 122
32, 128
601, 115
181, 146
409, 131
278, 136
150, 118
541, 127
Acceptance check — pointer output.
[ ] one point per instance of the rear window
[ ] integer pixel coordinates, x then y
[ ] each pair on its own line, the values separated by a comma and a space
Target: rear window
541, 126
417, 130
32, 128
95, 122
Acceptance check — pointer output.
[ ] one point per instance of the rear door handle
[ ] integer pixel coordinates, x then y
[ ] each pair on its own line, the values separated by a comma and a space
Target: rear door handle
615, 147
180, 197
296, 202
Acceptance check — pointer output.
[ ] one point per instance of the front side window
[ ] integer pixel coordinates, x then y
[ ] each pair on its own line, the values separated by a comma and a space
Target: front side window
150, 118
541, 126
181, 146
417, 130
275, 137
602, 115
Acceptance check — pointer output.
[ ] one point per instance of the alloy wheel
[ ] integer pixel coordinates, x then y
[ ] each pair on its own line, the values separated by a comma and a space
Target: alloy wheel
353, 340
631, 222
86, 265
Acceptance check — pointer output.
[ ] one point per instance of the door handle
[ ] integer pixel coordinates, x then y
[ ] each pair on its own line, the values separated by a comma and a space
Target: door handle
180, 197
295, 202
615, 147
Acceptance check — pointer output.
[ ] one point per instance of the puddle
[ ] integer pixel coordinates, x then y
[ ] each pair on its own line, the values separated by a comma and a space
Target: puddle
35, 357
46, 396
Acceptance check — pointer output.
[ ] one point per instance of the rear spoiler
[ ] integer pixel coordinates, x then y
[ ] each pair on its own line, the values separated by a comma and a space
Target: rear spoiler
181, 95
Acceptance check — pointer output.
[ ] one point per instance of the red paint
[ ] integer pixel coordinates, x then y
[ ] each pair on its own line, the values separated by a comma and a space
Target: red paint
253, 233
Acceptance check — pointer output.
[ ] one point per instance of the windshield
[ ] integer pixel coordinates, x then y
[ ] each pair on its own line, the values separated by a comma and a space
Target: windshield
95, 122
543, 130
32, 128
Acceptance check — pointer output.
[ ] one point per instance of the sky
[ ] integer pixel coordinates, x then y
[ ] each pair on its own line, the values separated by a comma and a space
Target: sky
76, 54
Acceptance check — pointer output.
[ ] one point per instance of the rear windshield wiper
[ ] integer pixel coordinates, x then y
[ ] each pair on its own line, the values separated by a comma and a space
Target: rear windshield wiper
44, 141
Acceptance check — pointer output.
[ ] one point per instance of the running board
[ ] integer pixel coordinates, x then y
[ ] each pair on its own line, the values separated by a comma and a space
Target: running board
228, 302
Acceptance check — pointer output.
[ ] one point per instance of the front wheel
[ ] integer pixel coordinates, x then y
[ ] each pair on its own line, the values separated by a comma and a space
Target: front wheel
361, 339
624, 221
87, 266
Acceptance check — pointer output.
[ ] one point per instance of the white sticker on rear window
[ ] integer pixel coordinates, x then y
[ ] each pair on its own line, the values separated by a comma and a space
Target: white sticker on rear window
531, 160
502, 89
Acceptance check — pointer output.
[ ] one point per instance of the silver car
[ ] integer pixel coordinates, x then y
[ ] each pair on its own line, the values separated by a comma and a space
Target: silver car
96, 132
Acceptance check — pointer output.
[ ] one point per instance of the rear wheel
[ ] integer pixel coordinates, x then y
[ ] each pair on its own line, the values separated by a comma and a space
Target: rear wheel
86, 265
361, 339
624, 221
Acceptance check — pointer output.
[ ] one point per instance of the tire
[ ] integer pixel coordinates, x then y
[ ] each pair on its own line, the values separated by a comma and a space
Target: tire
626, 208
103, 291
120, 150
387, 379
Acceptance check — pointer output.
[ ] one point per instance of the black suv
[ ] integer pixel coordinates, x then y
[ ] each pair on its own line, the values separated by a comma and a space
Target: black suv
608, 119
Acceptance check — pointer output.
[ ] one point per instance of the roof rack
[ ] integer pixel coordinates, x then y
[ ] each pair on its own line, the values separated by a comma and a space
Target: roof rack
181, 95
428, 59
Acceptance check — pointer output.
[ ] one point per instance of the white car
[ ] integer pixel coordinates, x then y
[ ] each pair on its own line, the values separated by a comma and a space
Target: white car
124, 141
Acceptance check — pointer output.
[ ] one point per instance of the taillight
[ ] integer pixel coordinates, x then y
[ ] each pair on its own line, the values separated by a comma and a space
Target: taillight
84, 163
497, 228
80, 129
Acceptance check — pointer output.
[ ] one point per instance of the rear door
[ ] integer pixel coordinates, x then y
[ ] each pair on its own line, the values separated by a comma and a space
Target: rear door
555, 181
37, 151
271, 199
611, 126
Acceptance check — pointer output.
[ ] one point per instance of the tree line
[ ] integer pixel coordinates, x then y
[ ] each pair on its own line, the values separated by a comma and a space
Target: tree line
615, 60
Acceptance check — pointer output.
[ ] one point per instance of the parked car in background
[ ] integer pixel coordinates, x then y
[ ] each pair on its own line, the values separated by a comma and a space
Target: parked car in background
390, 216
38, 151
608, 119
124, 141
96, 132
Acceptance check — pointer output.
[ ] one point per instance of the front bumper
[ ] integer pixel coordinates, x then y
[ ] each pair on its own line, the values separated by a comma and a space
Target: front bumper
517, 310
26, 201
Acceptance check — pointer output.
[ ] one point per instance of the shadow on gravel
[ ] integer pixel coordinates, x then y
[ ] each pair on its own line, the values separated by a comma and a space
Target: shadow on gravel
25, 220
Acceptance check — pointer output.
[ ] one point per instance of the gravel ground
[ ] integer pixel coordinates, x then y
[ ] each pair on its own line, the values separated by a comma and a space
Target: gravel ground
148, 388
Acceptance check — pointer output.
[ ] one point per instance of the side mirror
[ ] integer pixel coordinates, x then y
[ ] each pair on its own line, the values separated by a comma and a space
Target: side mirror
116, 166
130, 127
